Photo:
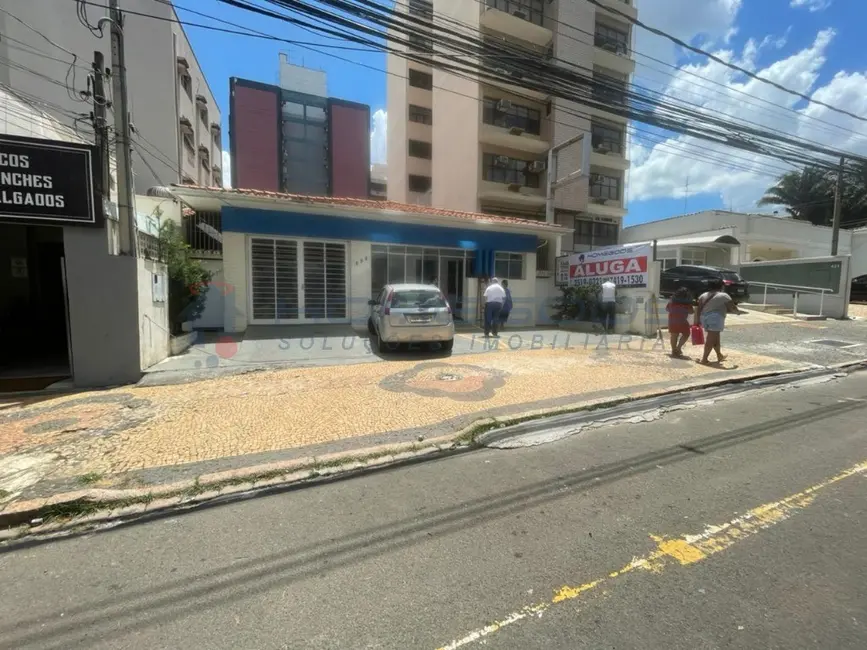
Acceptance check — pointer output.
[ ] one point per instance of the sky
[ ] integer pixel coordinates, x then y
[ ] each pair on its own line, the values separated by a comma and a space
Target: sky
814, 47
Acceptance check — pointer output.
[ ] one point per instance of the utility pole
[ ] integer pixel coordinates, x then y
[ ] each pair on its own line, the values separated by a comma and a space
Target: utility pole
123, 150
838, 206
100, 124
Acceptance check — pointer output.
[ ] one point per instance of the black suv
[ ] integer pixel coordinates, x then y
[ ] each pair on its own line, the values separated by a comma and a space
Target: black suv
697, 278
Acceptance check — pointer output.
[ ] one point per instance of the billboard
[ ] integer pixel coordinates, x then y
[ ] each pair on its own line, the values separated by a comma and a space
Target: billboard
48, 181
625, 266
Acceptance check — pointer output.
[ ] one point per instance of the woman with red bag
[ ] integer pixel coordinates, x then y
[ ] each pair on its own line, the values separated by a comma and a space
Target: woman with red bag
679, 309
713, 306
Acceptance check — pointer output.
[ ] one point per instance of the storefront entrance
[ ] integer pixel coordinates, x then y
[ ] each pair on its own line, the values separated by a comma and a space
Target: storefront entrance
34, 341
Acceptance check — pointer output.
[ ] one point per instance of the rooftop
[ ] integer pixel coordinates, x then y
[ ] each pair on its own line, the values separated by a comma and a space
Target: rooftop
368, 204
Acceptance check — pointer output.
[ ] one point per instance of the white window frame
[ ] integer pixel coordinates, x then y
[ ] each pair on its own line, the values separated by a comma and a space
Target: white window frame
511, 258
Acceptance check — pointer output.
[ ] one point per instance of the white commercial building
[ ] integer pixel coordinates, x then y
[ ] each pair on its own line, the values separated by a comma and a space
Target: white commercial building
720, 238
482, 146
46, 55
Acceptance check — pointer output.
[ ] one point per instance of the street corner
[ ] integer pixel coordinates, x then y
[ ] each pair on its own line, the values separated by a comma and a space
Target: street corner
460, 382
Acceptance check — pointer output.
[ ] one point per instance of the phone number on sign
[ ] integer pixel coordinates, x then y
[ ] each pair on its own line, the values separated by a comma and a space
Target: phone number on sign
619, 280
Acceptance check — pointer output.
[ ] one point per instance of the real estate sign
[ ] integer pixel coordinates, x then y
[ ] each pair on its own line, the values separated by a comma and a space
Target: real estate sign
625, 266
48, 182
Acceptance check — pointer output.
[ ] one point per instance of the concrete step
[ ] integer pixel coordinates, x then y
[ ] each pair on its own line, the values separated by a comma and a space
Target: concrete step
777, 310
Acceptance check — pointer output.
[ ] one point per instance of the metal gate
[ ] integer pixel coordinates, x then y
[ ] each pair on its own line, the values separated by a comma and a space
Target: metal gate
297, 281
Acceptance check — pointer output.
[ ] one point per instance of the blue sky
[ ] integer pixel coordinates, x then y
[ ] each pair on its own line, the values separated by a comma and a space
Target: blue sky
779, 38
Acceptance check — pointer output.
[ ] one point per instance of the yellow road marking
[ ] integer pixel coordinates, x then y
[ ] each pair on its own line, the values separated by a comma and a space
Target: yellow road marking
682, 551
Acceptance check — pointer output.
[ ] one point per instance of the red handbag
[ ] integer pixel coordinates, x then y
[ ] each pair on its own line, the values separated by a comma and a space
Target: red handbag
697, 334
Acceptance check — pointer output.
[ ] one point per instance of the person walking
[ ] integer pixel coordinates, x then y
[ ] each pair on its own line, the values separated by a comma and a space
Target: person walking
713, 307
609, 305
495, 297
679, 309
507, 305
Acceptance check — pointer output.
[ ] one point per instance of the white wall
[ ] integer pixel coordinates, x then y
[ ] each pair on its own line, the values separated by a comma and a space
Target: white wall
546, 294
235, 277
302, 80
859, 252
359, 282
154, 334
213, 314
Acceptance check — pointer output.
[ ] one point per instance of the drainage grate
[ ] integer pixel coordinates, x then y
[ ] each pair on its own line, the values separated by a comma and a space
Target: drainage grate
835, 344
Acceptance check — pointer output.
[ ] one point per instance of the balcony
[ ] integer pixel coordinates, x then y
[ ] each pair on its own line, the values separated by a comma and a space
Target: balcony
607, 147
522, 20
623, 6
612, 51
606, 193
504, 194
512, 181
502, 70
513, 139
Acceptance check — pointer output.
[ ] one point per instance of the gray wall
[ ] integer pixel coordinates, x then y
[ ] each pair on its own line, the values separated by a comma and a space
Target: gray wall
103, 310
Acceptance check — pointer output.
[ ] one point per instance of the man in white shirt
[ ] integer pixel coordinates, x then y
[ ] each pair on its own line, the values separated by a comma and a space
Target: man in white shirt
609, 305
495, 296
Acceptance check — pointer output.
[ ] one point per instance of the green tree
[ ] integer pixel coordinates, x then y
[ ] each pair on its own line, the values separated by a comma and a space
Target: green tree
188, 279
806, 195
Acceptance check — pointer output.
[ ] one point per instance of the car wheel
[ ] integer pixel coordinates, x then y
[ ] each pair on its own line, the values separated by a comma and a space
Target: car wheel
447, 345
382, 347
370, 328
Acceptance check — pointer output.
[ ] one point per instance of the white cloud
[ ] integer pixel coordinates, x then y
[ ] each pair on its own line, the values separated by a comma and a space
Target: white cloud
812, 5
378, 133
661, 171
227, 169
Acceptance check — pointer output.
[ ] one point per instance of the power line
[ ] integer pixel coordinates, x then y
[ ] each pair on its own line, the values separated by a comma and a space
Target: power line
728, 64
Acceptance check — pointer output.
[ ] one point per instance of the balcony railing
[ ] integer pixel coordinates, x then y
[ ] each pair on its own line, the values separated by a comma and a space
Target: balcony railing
204, 233
532, 11
612, 44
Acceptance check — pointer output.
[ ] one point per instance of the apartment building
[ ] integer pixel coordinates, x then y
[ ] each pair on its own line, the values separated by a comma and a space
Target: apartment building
46, 55
478, 145
286, 139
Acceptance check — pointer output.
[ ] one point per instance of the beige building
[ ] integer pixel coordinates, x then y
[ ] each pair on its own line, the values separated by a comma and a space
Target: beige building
466, 144
43, 52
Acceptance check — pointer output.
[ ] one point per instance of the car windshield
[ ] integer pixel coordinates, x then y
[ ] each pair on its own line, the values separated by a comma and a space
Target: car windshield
417, 298
731, 275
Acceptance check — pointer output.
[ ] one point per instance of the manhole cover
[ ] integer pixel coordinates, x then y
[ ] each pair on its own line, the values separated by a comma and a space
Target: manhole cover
836, 344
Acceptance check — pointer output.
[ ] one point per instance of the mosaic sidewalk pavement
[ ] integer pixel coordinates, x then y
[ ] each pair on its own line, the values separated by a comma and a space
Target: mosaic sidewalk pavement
131, 436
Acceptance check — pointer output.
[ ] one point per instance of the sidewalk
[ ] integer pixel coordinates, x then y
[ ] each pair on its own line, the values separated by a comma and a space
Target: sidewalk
136, 437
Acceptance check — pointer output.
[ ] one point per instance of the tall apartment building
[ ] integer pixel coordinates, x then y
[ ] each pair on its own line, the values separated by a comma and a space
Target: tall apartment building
471, 144
284, 140
172, 106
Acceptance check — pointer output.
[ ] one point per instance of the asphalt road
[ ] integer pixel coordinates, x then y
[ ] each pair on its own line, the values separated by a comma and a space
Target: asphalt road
739, 524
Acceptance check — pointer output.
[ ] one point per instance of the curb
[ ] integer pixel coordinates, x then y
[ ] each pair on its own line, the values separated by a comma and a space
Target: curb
87, 507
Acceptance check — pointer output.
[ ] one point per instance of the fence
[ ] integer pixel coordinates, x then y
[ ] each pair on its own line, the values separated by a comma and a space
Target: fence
204, 233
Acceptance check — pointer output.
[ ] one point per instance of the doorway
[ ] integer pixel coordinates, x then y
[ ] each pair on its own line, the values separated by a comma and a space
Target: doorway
34, 321
452, 282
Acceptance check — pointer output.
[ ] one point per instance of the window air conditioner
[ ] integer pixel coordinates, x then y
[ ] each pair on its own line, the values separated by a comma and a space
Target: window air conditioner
501, 161
519, 14
536, 167
504, 105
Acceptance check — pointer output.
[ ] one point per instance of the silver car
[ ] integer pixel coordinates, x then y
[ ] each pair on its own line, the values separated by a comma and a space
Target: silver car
411, 313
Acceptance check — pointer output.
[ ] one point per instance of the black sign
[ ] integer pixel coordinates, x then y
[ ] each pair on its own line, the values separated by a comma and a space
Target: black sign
48, 181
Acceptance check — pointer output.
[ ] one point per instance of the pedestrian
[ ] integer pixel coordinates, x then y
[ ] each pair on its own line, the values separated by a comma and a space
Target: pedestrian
507, 305
679, 309
495, 296
713, 307
609, 305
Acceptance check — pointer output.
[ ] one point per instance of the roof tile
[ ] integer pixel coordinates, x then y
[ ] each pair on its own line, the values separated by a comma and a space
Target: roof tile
374, 204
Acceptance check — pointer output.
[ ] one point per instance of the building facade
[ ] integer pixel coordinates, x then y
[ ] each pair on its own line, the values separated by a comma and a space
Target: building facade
285, 140
47, 56
479, 145
729, 239
289, 259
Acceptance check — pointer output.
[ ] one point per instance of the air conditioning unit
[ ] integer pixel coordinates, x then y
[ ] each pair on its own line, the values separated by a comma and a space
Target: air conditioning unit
504, 105
595, 179
514, 187
601, 148
536, 167
501, 161
519, 14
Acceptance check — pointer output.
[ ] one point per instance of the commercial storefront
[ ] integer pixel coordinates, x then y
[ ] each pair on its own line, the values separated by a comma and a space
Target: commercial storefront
290, 259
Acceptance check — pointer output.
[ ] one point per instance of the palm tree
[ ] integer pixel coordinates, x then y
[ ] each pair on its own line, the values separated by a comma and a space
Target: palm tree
807, 195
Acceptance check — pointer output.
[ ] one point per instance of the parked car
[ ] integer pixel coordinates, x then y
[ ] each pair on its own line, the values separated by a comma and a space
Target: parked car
411, 313
859, 288
697, 278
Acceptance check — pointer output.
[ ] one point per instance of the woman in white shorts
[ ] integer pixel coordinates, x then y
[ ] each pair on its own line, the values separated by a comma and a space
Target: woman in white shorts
713, 306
